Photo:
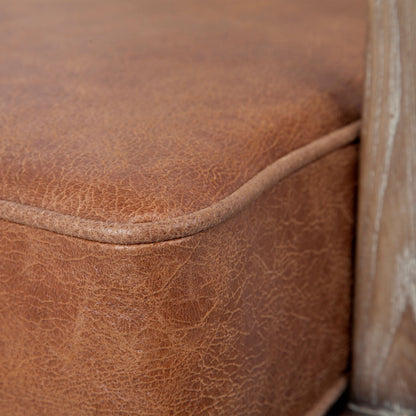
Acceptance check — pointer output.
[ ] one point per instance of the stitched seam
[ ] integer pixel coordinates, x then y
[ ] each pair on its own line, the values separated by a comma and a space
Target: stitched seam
188, 224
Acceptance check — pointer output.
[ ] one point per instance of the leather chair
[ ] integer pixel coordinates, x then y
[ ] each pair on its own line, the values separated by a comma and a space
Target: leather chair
177, 199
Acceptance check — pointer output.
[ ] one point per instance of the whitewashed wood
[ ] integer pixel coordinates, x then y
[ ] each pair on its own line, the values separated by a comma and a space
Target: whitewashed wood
384, 357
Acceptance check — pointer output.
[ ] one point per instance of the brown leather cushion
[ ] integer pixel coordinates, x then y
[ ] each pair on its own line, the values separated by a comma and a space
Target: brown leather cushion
250, 317
140, 111
176, 205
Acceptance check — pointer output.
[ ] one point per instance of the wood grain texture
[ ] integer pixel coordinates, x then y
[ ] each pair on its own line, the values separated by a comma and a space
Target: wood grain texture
384, 361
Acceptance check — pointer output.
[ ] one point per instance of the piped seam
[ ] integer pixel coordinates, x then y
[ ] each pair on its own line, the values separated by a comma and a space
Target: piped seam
188, 224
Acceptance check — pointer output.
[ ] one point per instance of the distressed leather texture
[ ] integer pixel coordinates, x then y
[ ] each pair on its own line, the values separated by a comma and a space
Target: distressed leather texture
130, 112
137, 111
247, 318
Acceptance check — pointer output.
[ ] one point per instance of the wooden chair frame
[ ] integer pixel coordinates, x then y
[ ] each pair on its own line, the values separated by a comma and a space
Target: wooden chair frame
384, 353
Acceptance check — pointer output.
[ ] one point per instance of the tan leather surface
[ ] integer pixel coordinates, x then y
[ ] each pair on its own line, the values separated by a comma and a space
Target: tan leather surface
140, 111
129, 113
247, 318
189, 224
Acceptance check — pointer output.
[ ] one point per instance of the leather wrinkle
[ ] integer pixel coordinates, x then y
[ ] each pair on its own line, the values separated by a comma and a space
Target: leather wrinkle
189, 224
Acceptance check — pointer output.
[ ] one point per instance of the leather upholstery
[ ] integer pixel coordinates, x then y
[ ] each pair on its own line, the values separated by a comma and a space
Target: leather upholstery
133, 114
189, 224
248, 318
140, 111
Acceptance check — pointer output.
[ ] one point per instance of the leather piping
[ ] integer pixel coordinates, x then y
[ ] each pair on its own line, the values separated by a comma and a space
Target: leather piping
185, 225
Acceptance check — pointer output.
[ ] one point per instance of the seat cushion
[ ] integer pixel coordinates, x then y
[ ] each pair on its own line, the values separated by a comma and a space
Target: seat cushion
177, 205
250, 317
125, 111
